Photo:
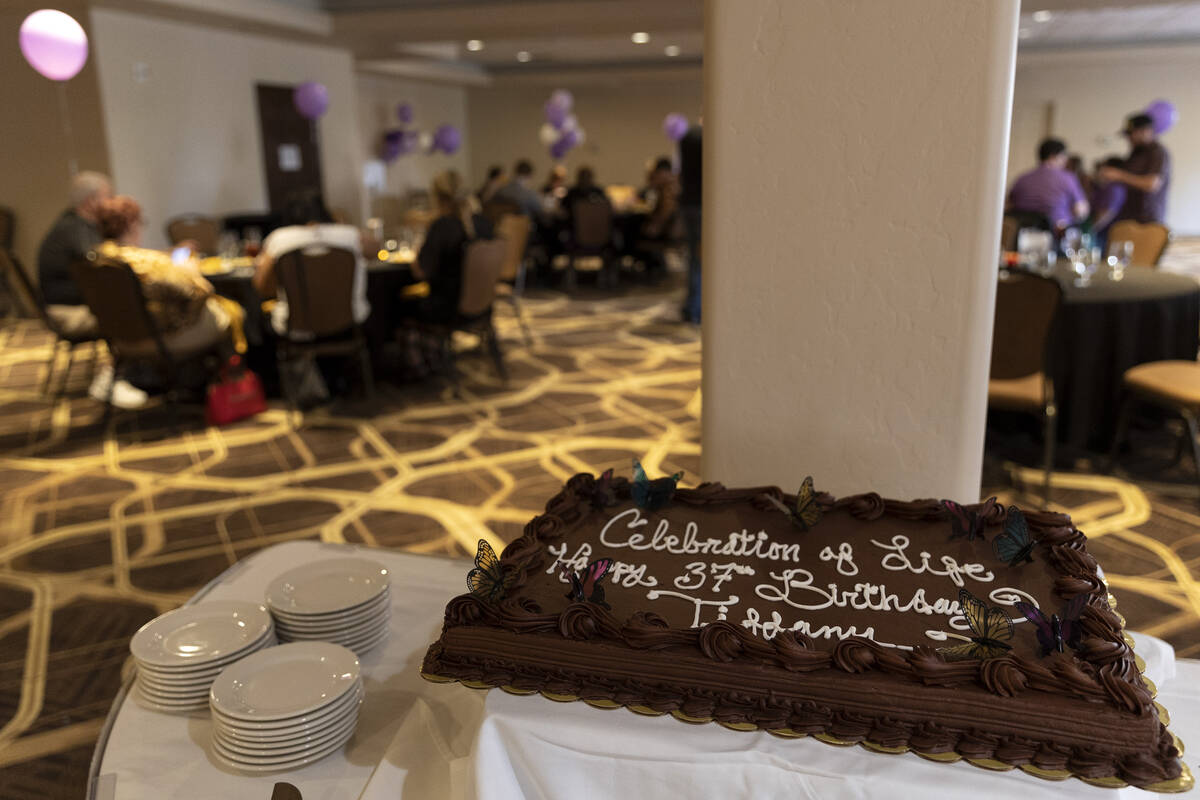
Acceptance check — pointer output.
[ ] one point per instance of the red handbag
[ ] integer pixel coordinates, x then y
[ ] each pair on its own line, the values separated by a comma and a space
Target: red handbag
236, 394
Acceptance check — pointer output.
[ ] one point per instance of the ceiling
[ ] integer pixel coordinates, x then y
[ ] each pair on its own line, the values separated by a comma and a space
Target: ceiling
1079, 25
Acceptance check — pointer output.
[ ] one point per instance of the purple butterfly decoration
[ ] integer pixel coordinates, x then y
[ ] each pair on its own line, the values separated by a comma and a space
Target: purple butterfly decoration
1057, 633
603, 493
964, 522
587, 588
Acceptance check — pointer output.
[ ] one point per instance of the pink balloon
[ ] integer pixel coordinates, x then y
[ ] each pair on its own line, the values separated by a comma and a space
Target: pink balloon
54, 44
311, 99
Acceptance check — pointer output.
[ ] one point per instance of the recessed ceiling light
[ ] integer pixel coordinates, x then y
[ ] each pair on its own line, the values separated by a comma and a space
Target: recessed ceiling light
474, 45
524, 56
641, 37
1042, 16
671, 50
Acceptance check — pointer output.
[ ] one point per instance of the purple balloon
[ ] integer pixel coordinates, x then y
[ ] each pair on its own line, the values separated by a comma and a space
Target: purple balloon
558, 150
570, 138
555, 115
404, 112
311, 99
54, 44
393, 145
447, 139
562, 99
1164, 115
675, 126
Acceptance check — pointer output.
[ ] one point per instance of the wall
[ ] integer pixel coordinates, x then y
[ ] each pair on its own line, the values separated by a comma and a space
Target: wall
622, 117
186, 139
34, 159
1088, 93
433, 105
852, 222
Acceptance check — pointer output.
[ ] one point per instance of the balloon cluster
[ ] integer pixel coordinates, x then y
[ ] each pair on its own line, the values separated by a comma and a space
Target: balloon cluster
1164, 115
561, 130
402, 141
675, 126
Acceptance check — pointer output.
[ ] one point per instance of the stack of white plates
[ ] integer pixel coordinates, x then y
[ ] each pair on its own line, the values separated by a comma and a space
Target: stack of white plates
285, 707
342, 600
180, 653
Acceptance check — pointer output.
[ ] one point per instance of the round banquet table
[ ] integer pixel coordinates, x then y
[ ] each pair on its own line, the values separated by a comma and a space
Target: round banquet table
1104, 329
417, 739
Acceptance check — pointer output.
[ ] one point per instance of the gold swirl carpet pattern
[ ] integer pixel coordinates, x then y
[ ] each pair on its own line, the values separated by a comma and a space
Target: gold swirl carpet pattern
100, 533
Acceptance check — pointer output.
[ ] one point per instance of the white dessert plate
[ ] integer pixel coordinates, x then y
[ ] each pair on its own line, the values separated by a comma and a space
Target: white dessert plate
351, 632
288, 765
323, 587
171, 707
208, 669
358, 644
285, 681
157, 680
286, 736
168, 695
292, 725
380, 614
196, 635
293, 748
379, 605
270, 759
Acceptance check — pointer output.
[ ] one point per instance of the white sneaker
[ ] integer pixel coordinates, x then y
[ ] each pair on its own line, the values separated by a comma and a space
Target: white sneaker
124, 393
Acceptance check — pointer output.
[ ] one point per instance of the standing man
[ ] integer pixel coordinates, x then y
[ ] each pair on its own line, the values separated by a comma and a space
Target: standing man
689, 203
1147, 172
1050, 189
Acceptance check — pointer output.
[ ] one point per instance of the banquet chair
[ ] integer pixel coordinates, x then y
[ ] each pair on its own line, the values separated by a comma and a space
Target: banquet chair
483, 259
205, 231
591, 235
514, 229
9, 265
318, 282
1172, 385
1019, 380
115, 296
1149, 240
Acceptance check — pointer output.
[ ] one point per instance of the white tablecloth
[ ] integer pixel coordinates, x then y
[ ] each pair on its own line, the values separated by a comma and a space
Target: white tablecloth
424, 740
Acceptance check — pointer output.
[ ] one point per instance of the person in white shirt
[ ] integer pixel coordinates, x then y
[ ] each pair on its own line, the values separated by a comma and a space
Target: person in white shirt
298, 237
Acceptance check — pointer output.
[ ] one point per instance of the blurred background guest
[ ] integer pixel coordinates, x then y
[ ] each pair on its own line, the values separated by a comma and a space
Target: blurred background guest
190, 317
441, 257
1050, 189
556, 184
1075, 167
690, 164
520, 192
495, 179
74, 233
1108, 198
1146, 173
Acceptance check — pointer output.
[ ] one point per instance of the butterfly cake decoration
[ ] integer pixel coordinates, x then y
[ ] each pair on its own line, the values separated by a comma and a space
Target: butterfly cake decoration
1014, 545
587, 587
991, 630
1055, 634
805, 513
651, 495
487, 580
967, 523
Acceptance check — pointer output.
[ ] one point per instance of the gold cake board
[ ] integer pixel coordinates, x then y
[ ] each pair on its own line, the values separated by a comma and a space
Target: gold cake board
1183, 783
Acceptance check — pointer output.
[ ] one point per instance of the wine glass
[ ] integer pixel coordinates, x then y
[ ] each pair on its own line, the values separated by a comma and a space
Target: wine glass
1124, 251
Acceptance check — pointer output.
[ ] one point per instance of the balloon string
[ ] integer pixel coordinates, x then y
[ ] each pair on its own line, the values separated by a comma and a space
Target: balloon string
64, 110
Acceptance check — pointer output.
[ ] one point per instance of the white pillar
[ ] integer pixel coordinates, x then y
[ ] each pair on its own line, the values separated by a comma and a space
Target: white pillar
854, 156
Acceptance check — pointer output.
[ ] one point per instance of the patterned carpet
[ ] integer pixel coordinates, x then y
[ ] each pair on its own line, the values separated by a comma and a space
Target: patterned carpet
98, 534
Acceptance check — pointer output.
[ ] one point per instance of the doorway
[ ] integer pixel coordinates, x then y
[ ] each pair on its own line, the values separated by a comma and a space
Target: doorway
291, 155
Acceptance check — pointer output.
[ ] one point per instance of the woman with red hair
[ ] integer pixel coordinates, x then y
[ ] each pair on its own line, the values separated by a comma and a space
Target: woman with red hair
190, 317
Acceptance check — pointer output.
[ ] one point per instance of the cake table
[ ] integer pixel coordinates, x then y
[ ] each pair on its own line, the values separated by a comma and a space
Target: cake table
423, 740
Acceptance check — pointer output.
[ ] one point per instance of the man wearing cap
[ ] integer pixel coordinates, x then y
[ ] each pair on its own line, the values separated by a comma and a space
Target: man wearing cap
1147, 172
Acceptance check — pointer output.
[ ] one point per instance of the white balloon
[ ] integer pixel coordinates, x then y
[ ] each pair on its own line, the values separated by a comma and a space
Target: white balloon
547, 134
570, 123
424, 141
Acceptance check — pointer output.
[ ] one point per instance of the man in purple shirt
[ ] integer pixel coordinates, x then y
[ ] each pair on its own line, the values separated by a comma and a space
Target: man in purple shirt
1147, 172
1050, 189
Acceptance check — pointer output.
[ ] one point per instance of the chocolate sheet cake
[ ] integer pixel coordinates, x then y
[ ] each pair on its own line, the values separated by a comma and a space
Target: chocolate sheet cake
856, 620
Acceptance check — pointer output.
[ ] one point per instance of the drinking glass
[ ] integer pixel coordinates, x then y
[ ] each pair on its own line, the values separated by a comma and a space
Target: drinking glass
1124, 251
1116, 270
1071, 243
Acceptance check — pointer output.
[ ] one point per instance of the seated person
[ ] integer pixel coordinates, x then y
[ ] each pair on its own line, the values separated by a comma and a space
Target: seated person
495, 179
654, 228
585, 190
441, 258
190, 317
1108, 198
520, 192
310, 226
74, 233
1049, 189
